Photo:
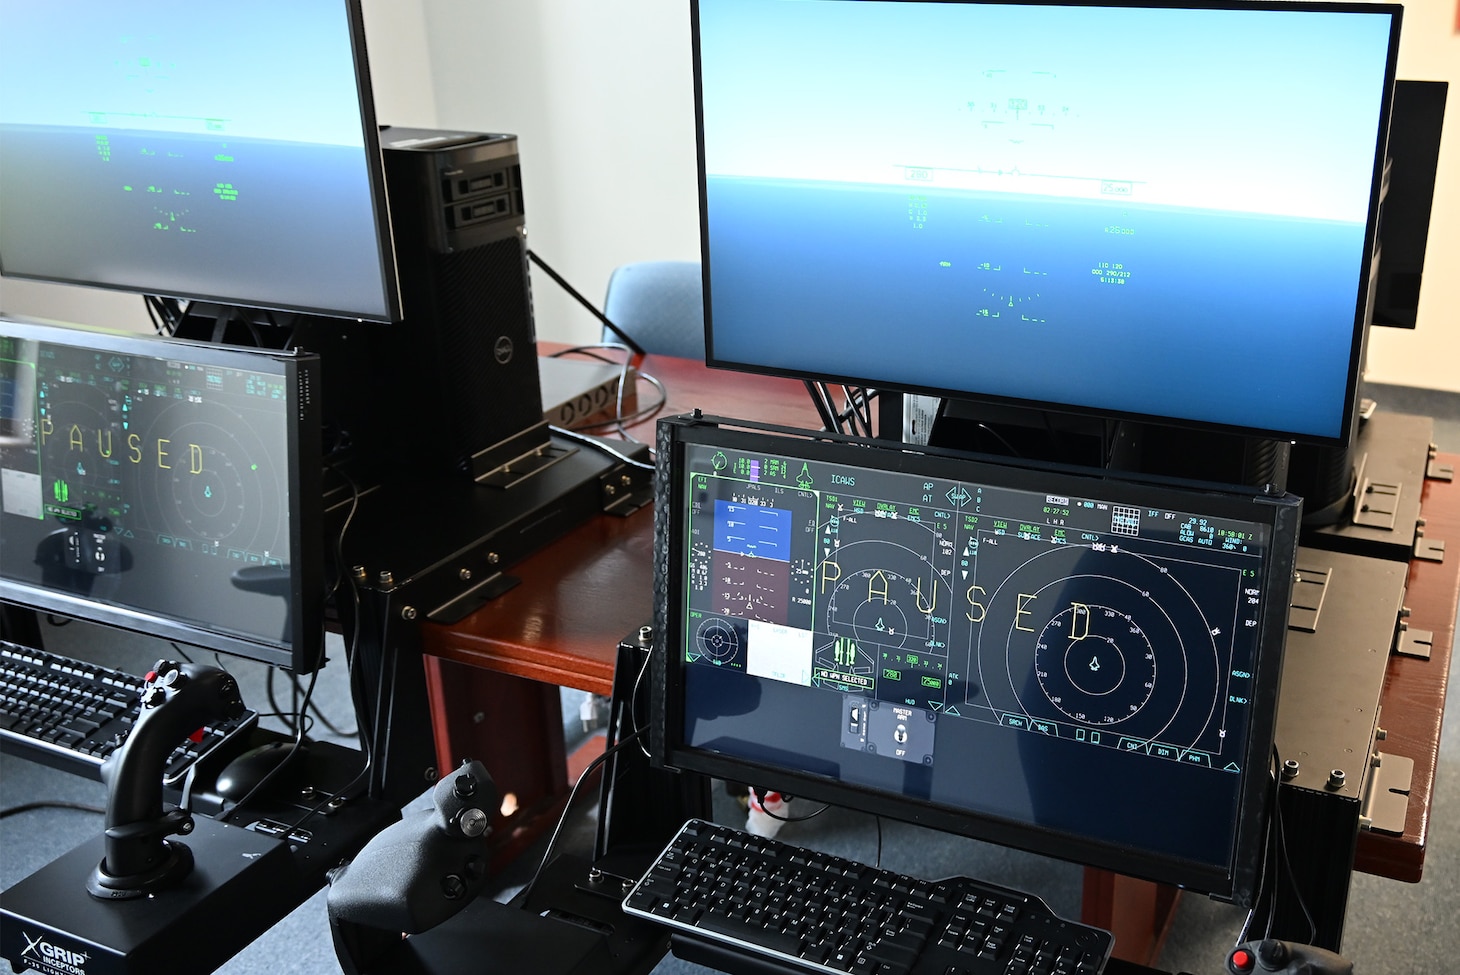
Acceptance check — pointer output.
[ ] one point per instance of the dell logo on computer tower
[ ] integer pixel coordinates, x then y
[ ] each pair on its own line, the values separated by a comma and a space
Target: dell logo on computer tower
467, 332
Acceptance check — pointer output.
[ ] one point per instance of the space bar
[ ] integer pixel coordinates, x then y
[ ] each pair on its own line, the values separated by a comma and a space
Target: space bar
742, 933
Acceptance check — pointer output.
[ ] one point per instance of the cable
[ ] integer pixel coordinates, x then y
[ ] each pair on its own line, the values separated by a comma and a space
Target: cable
567, 807
166, 314
619, 419
328, 724
294, 748
56, 804
633, 701
817, 392
600, 445
1276, 846
789, 819
1000, 438
562, 283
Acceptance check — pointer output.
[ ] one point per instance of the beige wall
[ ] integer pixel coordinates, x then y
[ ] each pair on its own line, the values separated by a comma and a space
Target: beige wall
1430, 355
599, 94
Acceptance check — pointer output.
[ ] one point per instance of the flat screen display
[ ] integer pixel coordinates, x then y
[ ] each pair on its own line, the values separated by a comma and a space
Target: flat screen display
1157, 212
224, 152
164, 486
1080, 666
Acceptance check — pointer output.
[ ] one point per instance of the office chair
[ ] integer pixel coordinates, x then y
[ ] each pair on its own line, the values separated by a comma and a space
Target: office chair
660, 304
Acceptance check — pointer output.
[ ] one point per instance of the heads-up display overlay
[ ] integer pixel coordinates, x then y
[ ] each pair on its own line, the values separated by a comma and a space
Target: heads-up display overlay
226, 152
1155, 211
164, 486
1077, 665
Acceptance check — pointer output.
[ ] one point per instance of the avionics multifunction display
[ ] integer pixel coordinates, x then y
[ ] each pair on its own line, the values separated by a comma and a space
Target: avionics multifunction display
165, 486
1082, 666
1156, 210
199, 150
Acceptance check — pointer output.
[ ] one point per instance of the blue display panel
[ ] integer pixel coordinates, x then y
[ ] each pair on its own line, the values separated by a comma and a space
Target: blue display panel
1085, 667
221, 152
168, 487
1153, 211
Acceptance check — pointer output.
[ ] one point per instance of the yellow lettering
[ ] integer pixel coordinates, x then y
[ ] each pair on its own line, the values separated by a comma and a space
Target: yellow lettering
162, 454
830, 573
104, 447
134, 448
982, 610
872, 586
195, 455
75, 442
47, 428
1023, 599
1080, 624
932, 603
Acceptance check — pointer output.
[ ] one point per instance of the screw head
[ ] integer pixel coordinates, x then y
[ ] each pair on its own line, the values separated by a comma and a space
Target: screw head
473, 822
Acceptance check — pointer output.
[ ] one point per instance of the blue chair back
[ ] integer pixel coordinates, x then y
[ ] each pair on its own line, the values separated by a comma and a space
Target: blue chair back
660, 304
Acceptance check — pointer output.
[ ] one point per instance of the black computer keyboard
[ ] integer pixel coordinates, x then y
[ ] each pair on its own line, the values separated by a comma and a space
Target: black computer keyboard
72, 714
821, 913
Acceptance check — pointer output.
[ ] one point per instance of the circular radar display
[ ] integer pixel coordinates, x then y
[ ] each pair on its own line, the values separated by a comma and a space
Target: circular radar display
883, 592
1103, 639
1095, 664
870, 607
719, 640
208, 477
210, 502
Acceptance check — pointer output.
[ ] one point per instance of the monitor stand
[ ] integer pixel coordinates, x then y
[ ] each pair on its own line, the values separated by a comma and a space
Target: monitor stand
1377, 512
1115, 445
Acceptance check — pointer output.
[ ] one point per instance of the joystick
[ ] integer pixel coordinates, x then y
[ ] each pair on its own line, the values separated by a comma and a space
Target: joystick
415, 873
1272, 955
177, 699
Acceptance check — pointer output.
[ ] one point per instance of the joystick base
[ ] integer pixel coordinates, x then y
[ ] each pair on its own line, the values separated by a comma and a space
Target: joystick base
177, 861
243, 881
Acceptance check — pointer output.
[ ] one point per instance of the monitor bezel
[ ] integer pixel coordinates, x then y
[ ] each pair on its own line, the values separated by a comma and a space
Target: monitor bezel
380, 217
1238, 883
304, 652
1363, 296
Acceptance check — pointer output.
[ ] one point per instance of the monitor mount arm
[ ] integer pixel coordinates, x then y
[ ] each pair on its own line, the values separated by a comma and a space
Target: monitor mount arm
177, 699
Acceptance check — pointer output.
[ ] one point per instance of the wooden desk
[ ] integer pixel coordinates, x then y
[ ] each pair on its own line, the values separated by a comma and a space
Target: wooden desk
494, 676
580, 596
584, 593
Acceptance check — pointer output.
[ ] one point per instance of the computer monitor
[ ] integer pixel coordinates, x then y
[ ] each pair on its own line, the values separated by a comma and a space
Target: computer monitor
222, 152
1157, 211
1078, 665
163, 486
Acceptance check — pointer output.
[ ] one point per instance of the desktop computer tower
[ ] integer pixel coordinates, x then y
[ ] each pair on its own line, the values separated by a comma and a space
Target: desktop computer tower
465, 393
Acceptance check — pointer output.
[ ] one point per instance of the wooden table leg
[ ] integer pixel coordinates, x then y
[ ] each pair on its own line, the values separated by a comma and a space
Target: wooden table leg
1137, 912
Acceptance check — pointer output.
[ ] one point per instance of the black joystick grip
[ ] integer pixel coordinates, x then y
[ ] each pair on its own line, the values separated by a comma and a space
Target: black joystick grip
1289, 957
420, 871
177, 700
